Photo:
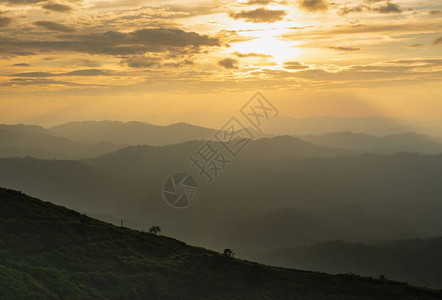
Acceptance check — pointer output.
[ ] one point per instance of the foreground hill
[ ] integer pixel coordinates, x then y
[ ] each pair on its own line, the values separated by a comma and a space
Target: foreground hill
50, 252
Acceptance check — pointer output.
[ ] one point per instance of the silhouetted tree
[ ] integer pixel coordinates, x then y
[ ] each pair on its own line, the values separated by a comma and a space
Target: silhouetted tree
229, 252
155, 229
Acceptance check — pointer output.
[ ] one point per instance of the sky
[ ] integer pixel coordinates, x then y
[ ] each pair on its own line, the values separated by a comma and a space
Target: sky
65, 60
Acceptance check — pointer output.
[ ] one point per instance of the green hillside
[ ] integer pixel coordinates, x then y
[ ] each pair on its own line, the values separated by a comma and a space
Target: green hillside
50, 252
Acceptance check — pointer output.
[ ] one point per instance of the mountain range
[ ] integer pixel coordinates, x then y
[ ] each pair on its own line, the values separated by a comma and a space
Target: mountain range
87, 139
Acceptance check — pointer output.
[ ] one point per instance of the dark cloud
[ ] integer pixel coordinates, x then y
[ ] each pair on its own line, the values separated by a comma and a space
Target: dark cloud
53, 26
85, 62
57, 7
229, 63
175, 41
32, 74
251, 54
435, 12
348, 49
294, 65
178, 64
152, 62
21, 65
21, 2
5, 21
437, 41
388, 8
142, 62
85, 72
259, 15
39, 82
347, 10
313, 5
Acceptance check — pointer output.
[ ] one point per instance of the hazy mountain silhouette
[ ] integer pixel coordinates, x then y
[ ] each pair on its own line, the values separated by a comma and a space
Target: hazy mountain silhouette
50, 252
28, 140
270, 174
405, 142
324, 124
79, 140
87, 139
293, 192
132, 133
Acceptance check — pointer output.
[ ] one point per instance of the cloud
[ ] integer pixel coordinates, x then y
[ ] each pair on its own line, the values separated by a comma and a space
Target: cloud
348, 49
5, 21
21, 65
259, 15
85, 72
117, 43
259, 2
57, 7
53, 26
415, 46
437, 41
347, 10
229, 63
32, 74
396, 28
418, 62
294, 65
435, 12
142, 62
39, 82
21, 2
251, 54
313, 5
85, 62
388, 8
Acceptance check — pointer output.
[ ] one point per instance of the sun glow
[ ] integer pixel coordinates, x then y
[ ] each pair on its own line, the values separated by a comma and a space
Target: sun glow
278, 51
267, 40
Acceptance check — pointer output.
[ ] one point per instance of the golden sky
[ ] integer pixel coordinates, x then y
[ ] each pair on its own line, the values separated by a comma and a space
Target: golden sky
64, 60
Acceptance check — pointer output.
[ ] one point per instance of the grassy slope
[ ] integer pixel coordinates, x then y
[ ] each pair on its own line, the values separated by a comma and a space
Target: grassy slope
50, 252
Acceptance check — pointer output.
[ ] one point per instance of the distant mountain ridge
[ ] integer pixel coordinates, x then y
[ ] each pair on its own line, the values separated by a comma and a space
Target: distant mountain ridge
86, 139
132, 133
29, 140
322, 124
401, 142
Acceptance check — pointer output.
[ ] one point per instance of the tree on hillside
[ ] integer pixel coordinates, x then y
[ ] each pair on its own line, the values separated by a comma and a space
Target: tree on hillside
155, 229
229, 252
